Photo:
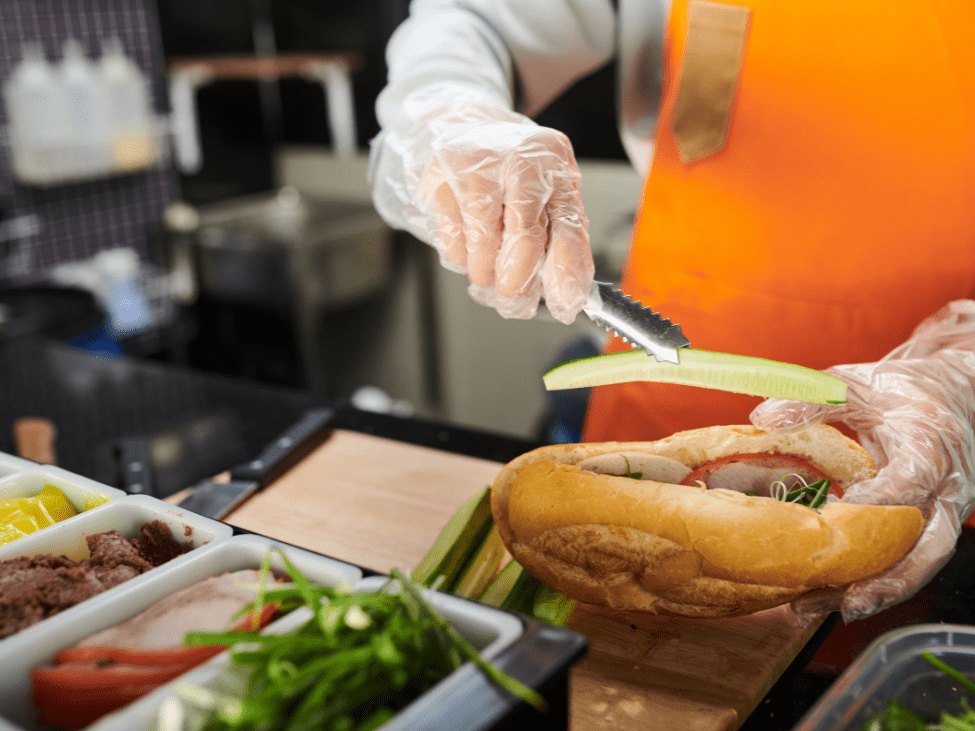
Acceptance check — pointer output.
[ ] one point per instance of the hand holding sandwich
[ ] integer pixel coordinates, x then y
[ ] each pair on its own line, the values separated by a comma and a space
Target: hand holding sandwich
914, 412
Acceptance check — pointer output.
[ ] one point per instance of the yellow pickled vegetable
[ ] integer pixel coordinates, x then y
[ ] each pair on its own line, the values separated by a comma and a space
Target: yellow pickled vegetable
23, 515
93, 501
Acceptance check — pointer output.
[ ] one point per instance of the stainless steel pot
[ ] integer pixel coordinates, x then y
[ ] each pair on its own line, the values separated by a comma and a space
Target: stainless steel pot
288, 252
273, 249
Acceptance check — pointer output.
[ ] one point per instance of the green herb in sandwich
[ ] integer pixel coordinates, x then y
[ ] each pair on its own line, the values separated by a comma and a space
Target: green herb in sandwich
812, 495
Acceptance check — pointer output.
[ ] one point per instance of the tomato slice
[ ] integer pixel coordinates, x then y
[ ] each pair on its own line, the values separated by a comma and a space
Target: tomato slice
81, 710
754, 473
86, 677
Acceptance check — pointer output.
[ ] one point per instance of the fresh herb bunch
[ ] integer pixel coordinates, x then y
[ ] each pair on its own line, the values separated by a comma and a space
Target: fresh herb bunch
352, 666
895, 717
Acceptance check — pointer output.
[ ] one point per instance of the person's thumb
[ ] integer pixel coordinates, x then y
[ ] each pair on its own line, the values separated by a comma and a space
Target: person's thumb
818, 601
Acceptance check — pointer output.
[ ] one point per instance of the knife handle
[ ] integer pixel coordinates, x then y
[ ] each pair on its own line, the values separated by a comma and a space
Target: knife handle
288, 449
134, 464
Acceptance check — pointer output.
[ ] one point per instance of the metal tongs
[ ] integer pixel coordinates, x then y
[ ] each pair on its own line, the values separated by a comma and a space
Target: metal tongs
638, 325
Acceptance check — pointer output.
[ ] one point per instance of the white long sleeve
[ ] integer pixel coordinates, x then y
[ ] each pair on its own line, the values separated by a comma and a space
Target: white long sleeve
484, 44
477, 52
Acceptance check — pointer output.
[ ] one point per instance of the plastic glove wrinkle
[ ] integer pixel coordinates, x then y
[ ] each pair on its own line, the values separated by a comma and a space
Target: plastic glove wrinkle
497, 195
875, 594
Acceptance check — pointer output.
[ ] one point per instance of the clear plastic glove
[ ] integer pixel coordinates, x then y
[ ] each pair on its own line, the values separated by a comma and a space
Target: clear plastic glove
914, 412
499, 198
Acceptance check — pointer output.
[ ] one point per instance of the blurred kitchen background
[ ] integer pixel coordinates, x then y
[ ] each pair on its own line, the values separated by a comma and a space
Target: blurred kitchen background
205, 183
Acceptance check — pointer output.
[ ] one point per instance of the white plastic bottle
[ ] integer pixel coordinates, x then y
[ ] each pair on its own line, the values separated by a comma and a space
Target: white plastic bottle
131, 134
36, 114
87, 112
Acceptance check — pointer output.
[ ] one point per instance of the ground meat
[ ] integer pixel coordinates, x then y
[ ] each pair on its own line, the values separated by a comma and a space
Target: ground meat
157, 545
33, 588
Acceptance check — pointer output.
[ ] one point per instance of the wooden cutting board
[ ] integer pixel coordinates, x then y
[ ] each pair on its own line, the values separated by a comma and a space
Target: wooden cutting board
380, 504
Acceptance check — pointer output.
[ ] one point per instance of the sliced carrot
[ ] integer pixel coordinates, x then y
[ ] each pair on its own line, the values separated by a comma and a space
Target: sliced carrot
263, 618
183, 655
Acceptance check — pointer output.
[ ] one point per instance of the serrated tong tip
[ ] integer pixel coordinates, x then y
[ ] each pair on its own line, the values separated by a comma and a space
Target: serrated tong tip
635, 324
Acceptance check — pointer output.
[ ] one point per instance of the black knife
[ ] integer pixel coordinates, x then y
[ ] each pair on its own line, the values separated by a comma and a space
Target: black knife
217, 499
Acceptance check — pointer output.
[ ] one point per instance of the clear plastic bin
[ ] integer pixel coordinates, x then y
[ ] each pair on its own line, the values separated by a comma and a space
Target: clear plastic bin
892, 668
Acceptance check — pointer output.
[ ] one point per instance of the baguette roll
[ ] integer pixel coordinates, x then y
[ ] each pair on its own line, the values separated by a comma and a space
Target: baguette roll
652, 546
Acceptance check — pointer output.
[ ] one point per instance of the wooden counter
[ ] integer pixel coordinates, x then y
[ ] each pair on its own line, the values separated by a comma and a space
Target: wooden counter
380, 504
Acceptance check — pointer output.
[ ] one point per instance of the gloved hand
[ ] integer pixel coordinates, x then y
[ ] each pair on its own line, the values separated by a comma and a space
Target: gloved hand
914, 412
498, 196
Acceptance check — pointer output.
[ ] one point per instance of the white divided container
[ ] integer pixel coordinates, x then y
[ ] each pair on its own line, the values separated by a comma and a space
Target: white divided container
32, 646
124, 514
29, 647
488, 629
28, 482
9, 464
38, 644
466, 698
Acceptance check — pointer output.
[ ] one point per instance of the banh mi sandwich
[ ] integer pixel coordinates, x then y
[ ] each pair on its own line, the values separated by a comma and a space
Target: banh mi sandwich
695, 524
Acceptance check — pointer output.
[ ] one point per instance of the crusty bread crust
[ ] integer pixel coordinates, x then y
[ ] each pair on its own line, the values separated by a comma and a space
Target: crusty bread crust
670, 549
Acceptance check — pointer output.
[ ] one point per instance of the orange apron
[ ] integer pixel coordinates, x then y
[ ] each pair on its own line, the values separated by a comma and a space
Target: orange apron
838, 214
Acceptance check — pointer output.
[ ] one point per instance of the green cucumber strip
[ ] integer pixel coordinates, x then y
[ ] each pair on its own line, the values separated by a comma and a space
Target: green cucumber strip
480, 567
521, 598
552, 606
500, 587
460, 538
518, 591
703, 368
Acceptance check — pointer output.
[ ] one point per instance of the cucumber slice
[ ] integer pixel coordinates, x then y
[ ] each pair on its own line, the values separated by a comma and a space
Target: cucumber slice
521, 597
707, 369
552, 606
481, 567
516, 590
461, 538
501, 590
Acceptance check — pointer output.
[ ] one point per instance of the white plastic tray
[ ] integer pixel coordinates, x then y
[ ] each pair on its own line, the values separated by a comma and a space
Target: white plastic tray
125, 515
10, 464
30, 480
34, 645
